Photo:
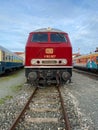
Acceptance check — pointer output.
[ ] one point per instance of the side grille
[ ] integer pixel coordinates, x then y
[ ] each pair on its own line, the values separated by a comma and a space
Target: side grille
50, 62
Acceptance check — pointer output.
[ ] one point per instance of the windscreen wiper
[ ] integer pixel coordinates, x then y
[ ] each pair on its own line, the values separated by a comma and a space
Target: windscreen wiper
60, 35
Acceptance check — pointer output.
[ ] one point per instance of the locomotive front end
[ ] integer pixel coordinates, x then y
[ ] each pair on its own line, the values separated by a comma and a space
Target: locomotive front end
48, 57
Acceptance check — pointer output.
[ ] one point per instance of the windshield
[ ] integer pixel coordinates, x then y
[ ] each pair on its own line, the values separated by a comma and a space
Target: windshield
43, 37
40, 37
58, 37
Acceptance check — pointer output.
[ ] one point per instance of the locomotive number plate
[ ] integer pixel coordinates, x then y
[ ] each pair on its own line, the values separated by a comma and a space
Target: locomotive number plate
49, 50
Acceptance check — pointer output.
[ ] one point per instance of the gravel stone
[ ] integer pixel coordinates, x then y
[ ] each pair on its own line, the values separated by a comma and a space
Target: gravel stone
80, 99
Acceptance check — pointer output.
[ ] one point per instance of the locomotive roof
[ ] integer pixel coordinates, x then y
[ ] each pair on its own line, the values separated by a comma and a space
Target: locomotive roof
48, 30
4, 49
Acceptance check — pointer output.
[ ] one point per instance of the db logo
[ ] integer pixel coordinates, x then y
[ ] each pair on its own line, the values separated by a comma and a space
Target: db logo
49, 50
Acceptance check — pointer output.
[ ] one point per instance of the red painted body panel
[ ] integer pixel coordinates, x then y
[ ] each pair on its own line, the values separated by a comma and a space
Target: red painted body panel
37, 50
38, 53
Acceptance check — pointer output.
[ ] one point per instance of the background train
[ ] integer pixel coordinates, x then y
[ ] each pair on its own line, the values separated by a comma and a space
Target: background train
9, 61
48, 57
88, 62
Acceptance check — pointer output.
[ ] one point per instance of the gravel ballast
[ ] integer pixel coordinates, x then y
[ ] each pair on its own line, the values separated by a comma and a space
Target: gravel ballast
81, 99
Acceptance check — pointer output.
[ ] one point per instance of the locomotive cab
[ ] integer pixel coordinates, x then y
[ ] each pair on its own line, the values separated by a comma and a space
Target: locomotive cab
48, 57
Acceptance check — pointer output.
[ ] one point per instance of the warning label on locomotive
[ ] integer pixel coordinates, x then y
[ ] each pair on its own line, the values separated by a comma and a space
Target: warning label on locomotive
49, 50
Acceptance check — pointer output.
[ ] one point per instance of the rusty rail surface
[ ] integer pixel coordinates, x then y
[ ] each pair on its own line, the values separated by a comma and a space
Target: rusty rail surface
23, 111
67, 123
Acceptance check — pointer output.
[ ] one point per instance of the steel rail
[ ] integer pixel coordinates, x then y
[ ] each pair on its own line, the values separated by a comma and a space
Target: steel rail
67, 123
23, 111
89, 74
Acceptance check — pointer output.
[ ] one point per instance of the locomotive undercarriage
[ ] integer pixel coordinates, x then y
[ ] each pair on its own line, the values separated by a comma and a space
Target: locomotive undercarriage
46, 77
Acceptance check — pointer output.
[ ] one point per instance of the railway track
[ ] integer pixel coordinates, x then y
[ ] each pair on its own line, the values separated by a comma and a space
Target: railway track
87, 73
44, 110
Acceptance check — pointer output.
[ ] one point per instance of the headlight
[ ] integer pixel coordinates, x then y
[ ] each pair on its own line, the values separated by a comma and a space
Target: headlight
64, 61
33, 61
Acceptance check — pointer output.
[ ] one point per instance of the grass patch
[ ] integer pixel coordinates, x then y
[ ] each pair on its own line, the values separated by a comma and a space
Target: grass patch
4, 78
14, 74
2, 100
10, 75
17, 88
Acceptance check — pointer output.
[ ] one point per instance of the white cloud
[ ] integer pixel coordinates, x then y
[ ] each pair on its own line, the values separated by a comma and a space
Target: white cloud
78, 18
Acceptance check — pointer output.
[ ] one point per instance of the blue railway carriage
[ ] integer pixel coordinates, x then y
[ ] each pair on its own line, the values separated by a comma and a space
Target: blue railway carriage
9, 61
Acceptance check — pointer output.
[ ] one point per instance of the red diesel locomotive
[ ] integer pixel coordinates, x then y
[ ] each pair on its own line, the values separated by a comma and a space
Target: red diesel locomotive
48, 57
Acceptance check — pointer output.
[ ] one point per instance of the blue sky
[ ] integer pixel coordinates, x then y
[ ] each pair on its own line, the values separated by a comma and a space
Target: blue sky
79, 18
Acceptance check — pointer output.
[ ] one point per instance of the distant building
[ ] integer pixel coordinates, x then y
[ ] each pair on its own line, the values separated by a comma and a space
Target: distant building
75, 55
21, 54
